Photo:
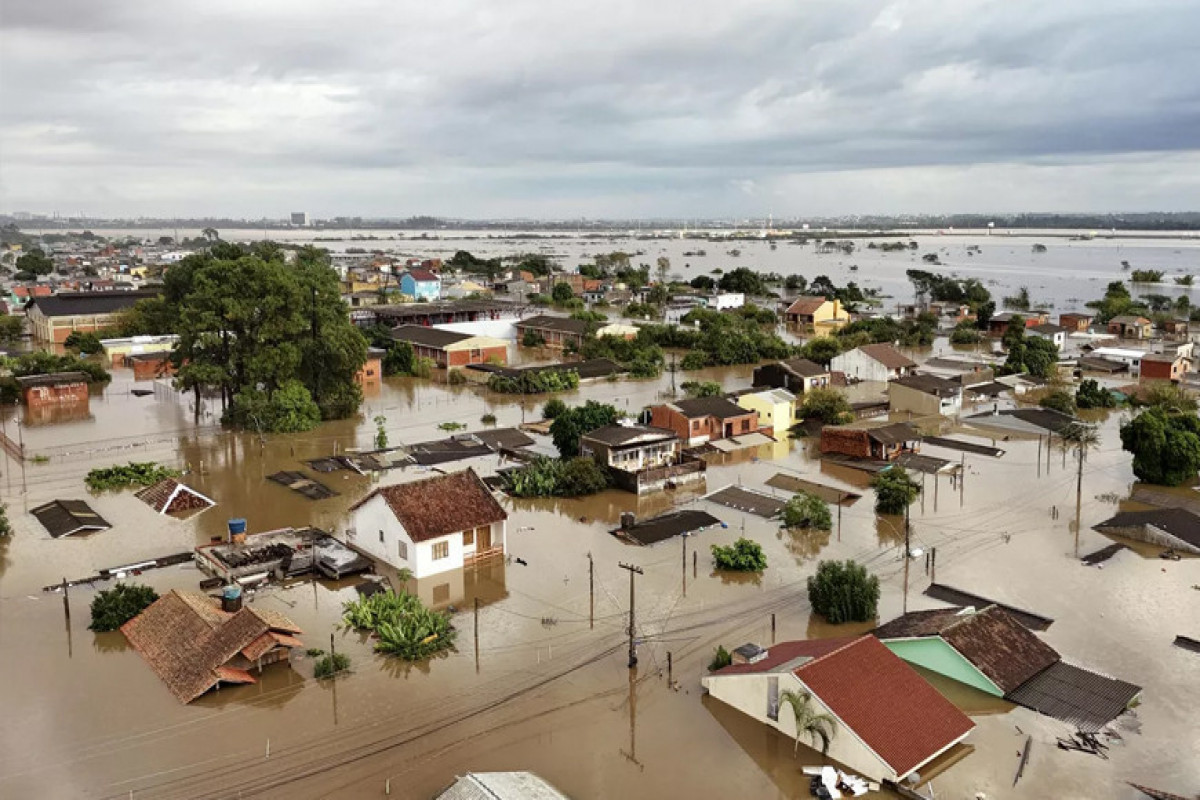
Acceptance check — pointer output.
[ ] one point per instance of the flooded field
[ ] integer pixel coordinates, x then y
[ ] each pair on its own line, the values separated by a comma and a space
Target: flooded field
548, 689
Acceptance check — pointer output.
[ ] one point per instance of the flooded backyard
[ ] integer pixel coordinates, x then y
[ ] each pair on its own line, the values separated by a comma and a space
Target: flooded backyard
546, 688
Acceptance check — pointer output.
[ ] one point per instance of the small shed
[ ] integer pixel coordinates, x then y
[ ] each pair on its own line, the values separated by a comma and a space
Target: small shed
54, 389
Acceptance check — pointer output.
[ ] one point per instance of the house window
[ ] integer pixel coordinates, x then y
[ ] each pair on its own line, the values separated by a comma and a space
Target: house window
468, 538
745, 425
773, 697
441, 550
381, 536
402, 550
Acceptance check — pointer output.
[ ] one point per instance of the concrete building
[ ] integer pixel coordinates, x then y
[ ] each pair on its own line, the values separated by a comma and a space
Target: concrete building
869, 440
816, 313
556, 332
641, 458
371, 373
54, 390
1129, 326
1053, 333
421, 284
890, 722
1122, 355
53, 318
701, 419
430, 526
873, 362
797, 375
300, 219
448, 349
998, 325
1163, 367
117, 350
1076, 321
776, 408
925, 395
1174, 528
722, 301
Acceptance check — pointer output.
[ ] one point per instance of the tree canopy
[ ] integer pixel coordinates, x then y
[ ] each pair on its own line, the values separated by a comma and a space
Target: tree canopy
274, 338
806, 510
895, 490
1165, 445
843, 591
569, 425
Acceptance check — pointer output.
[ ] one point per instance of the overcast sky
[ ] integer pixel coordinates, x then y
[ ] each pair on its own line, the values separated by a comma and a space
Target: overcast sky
652, 108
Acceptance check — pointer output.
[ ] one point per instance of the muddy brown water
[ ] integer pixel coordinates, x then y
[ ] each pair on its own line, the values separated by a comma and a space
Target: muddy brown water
85, 717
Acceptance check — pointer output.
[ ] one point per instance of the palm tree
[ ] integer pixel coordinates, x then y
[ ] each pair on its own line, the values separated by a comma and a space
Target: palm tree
816, 727
1079, 437
211, 234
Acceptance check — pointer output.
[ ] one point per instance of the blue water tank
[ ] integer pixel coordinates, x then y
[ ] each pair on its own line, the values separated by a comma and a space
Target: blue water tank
237, 525
232, 592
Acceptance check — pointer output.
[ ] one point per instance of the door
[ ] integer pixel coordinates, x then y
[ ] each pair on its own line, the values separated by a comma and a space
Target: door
483, 538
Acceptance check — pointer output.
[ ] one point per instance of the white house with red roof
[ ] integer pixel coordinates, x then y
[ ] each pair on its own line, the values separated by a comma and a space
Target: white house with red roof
432, 525
890, 723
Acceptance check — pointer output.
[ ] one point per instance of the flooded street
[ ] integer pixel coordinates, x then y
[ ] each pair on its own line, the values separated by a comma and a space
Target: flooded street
548, 689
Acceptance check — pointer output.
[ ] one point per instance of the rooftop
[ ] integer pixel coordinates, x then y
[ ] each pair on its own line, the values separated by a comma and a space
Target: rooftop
806, 304
930, 384
426, 336
1048, 329
65, 517
1178, 522
617, 435
804, 368
501, 786
1001, 648
549, 323
666, 526
719, 407
52, 379
75, 304
887, 355
441, 505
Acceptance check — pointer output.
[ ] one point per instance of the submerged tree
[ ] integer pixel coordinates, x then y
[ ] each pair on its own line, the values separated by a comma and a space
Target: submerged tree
843, 591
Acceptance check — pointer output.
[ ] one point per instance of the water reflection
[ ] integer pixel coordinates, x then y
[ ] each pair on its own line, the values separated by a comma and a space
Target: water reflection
110, 642
278, 684
730, 578
803, 543
889, 529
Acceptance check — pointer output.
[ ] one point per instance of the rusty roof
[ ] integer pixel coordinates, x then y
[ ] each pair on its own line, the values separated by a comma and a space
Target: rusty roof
883, 700
169, 496
441, 505
783, 652
916, 624
188, 640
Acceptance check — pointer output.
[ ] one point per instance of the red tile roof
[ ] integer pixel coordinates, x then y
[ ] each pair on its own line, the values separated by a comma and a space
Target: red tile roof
442, 505
891, 708
806, 305
423, 276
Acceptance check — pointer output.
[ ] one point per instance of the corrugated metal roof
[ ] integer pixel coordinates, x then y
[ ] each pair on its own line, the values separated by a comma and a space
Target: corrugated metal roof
1085, 699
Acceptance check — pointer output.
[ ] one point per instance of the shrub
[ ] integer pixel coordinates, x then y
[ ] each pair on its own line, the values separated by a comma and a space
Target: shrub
966, 333
1059, 400
86, 343
113, 607
694, 360
829, 406
532, 338
554, 477
423, 367
403, 626
5, 526
455, 377
134, 473
743, 555
330, 665
701, 388
554, 406
720, 659
807, 511
895, 490
843, 591
286, 409
488, 419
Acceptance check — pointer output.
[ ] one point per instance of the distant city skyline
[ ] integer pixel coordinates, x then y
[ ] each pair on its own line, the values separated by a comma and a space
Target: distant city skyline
669, 110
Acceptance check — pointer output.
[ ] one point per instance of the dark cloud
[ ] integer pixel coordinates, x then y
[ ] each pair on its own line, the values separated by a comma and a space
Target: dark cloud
616, 108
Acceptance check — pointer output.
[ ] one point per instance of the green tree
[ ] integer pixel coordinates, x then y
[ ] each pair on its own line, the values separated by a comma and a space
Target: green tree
1165, 446
1092, 395
895, 490
561, 293
5, 526
36, 262
1169, 397
806, 510
286, 409
843, 591
112, 608
83, 342
554, 406
1059, 400
821, 349
721, 659
569, 425
827, 405
381, 436
152, 316
810, 724
743, 555
701, 388
11, 327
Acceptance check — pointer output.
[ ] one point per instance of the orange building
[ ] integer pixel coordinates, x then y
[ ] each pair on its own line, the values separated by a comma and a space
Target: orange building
451, 349
54, 389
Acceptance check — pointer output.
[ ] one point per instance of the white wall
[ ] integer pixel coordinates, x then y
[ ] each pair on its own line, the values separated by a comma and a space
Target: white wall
375, 516
748, 694
496, 328
857, 365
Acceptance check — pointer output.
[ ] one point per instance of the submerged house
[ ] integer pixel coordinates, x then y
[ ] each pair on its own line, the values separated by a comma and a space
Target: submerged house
776, 408
1176, 528
430, 526
797, 375
885, 442
702, 419
813, 312
993, 652
873, 362
195, 643
925, 395
641, 458
890, 723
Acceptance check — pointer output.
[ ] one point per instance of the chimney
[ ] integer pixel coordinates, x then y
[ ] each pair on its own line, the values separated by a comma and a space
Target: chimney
231, 598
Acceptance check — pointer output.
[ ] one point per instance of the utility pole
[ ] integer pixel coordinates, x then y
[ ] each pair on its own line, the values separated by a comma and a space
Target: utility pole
1039, 455
476, 635
906, 557
962, 480
591, 593
839, 505
632, 571
672, 374
684, 538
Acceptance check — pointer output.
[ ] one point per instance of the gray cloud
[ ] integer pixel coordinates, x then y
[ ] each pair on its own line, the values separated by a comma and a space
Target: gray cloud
608, 108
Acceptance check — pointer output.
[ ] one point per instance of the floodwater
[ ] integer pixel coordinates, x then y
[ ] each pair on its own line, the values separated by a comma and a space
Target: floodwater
1071, 271
548, 689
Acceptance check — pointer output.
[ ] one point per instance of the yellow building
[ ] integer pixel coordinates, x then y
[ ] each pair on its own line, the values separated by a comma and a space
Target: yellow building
816, 313
117, 350
776, 408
